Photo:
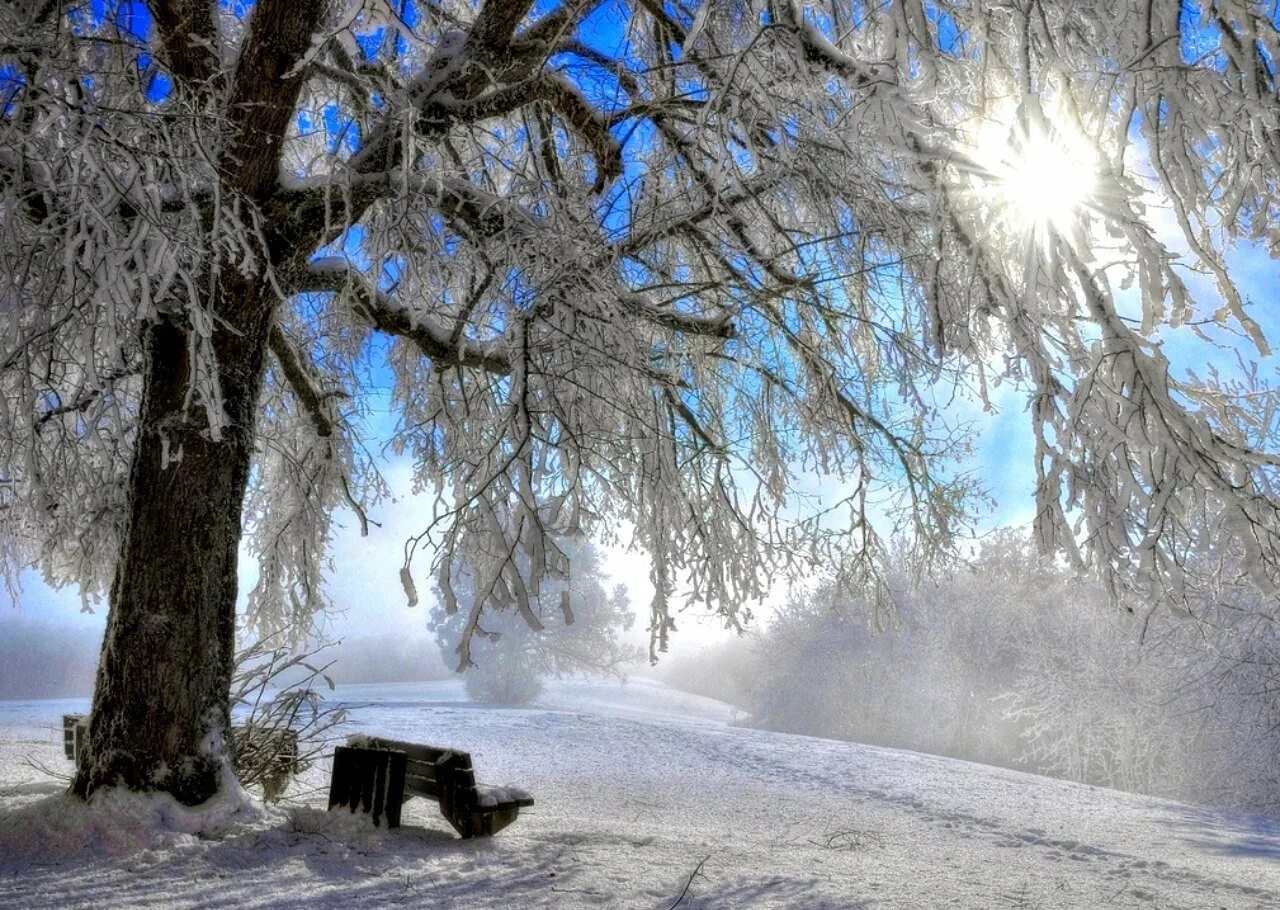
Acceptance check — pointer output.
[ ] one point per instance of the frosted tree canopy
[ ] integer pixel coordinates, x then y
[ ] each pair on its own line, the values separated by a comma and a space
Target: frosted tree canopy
647, 265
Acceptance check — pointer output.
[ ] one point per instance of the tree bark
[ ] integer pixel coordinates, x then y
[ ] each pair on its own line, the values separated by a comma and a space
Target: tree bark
160, 708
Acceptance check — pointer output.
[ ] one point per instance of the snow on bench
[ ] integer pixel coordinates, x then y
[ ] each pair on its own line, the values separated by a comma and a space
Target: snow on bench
375, 776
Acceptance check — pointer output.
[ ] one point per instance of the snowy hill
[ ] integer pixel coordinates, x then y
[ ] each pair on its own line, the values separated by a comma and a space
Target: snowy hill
637, 787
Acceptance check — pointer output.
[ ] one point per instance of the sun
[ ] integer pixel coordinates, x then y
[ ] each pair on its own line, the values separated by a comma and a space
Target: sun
1039, 176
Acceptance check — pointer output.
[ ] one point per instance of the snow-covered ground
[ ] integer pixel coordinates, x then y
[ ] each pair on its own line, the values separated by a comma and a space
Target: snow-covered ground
637, 786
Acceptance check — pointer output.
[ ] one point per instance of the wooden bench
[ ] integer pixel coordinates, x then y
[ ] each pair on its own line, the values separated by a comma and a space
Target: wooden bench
273, 753
376, 776
75, 730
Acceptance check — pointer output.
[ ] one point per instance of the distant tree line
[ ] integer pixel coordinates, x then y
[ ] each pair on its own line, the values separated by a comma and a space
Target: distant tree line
387, 658
1020, 663
46, 660
42, 659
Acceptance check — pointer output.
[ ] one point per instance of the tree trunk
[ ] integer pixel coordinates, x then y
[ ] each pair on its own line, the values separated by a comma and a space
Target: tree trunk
160, 707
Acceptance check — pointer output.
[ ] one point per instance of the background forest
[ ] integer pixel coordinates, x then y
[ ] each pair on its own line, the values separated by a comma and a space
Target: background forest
1017, 662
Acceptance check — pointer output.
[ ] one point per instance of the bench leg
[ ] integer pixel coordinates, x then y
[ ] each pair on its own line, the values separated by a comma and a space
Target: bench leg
470, 822
370, 781
491, 822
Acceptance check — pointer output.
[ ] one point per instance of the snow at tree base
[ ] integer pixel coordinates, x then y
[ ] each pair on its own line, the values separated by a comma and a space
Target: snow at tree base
637, 785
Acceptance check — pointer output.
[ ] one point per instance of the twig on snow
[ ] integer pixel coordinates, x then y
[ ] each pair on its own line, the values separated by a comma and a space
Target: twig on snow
684, 892
45, 769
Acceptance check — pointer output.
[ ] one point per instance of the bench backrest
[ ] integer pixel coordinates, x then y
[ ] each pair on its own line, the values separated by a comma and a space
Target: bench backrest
429, 769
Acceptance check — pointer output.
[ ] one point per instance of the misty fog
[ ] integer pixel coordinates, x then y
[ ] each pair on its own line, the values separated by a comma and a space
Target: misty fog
46, 659
1017, 662
1014, 661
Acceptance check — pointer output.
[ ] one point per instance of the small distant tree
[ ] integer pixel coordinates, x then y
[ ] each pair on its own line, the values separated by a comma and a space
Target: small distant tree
576, 626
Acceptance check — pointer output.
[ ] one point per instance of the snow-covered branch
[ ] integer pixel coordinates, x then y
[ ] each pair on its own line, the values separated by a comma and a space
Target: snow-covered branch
311, 398
436, 343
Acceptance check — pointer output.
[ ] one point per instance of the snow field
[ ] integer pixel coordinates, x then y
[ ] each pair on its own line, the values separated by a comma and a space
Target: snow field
637, 786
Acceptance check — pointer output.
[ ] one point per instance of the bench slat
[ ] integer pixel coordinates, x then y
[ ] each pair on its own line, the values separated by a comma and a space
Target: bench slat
370, 781
421, 786
75, 728
413, 750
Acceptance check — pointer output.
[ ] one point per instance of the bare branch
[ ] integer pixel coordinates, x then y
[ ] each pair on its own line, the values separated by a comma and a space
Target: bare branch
264, 90
189, 41
494, 26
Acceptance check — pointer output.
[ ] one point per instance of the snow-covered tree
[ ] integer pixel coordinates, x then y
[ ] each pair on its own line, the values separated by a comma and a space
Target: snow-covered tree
628, 262
935, 678
1153, 702
579, 628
